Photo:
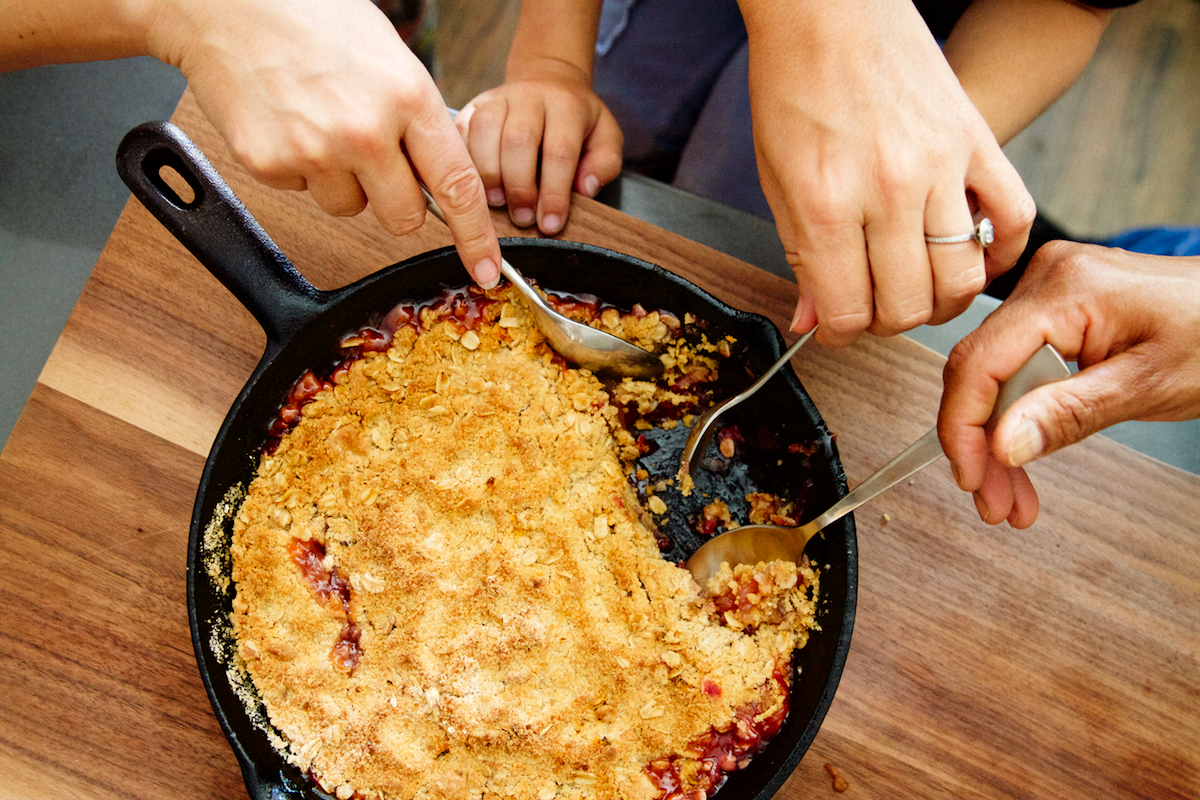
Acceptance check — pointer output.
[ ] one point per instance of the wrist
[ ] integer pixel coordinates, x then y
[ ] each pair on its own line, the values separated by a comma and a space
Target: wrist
554, 41
781, 29
169, 25
549, 68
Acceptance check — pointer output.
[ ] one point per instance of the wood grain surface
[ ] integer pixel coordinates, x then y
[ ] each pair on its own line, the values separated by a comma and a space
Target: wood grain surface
1062, 661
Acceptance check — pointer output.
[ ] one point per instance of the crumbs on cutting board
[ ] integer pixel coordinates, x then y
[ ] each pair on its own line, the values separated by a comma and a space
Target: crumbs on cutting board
840, 784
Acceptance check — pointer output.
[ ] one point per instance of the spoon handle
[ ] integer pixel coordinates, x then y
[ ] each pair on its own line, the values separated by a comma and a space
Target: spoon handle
916, 457
1044, 366
540, 308
766, 376
700, 436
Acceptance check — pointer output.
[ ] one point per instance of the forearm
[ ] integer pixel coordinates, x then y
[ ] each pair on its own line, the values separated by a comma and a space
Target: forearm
864, 62
1014, 58
554, 37
831, 37
38, 32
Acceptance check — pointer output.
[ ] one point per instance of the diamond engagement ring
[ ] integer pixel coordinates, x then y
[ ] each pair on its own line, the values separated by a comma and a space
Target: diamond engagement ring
984, 233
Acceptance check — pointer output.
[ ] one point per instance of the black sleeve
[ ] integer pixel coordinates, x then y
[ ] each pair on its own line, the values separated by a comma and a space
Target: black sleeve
941, 15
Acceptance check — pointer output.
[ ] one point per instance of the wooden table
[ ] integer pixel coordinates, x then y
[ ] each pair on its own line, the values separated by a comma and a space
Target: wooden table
1062, 661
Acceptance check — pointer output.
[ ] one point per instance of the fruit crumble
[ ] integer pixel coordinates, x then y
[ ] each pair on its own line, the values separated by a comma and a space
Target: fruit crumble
446, 586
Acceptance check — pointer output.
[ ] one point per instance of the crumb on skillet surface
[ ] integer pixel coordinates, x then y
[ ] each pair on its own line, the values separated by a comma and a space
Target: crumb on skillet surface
447, 588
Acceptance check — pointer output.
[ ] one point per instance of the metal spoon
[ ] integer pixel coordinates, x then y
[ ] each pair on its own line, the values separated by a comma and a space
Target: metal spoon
582, 345
700, 436
751, 544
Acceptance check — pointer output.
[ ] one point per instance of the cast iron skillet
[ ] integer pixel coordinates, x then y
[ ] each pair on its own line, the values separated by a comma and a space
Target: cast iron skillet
303, 325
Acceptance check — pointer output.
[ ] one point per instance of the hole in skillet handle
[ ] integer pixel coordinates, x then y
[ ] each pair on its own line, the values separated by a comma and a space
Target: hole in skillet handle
167, 173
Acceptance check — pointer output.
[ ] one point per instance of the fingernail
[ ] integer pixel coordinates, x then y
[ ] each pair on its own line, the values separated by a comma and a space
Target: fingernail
495, 197
982, 507
1012, 515
591, 185
487, 274
551, 223
957, 470
522, 216
1027, 443
795, 319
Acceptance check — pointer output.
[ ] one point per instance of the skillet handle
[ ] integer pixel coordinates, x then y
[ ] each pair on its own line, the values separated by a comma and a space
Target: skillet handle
217, 228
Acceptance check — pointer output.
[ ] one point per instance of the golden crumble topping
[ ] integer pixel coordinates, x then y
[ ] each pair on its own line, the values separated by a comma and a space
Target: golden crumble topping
446, 587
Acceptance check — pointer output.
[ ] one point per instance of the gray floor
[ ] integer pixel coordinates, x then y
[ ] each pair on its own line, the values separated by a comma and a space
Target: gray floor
60, 197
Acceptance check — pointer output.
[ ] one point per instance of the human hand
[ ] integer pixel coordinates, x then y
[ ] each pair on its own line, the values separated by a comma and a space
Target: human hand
323, 95
556, 116
865, 143
1131, 321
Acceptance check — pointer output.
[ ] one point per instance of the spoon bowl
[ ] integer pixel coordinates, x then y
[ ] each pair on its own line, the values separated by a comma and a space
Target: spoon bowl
752, 544
582, 345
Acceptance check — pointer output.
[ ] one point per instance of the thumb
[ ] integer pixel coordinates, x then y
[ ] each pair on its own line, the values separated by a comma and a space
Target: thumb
1063, 413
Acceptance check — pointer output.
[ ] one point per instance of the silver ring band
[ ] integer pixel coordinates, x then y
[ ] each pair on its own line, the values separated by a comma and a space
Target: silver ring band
984, 233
